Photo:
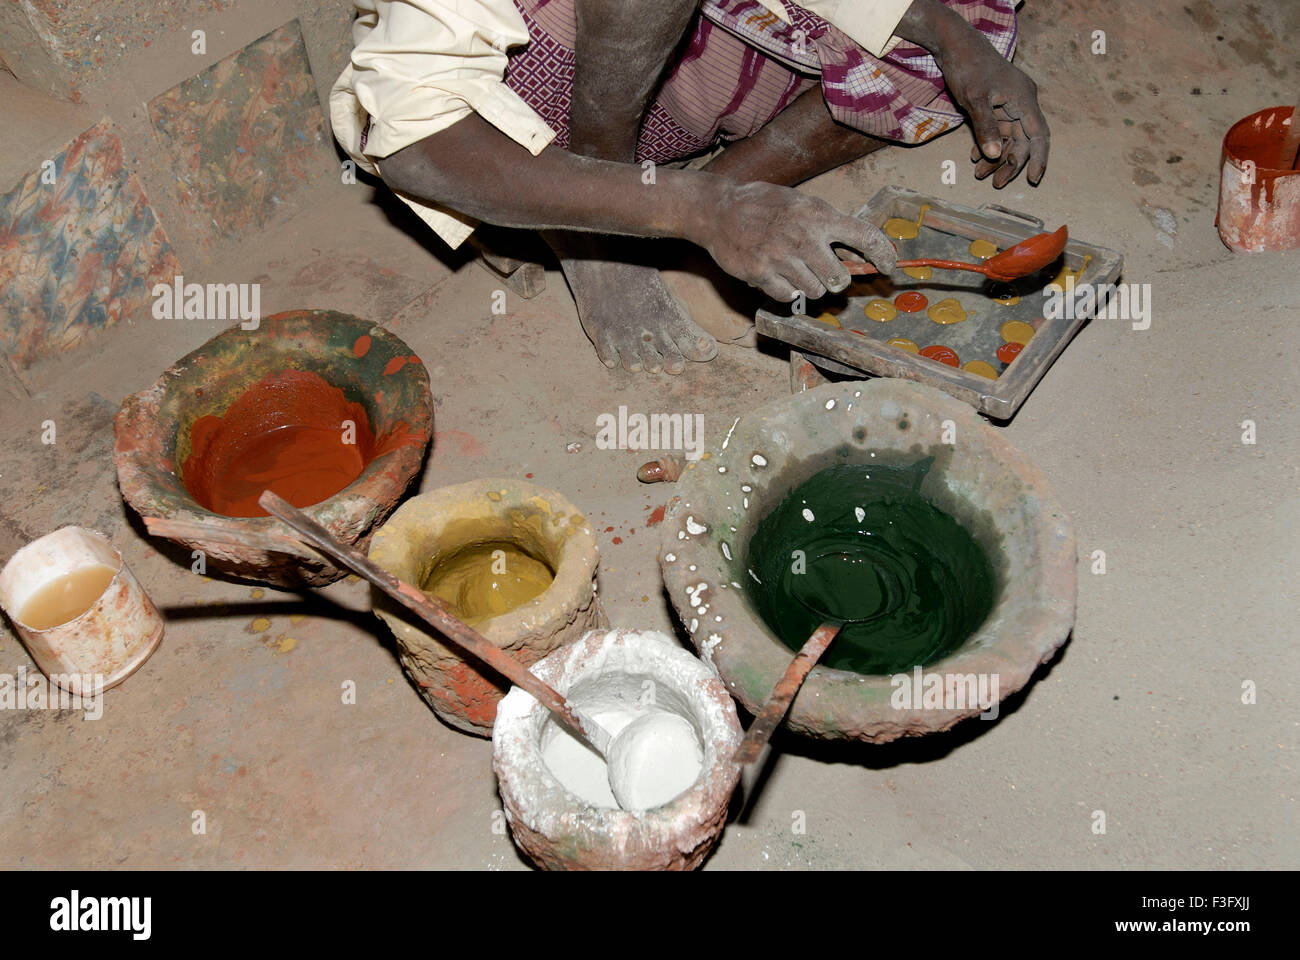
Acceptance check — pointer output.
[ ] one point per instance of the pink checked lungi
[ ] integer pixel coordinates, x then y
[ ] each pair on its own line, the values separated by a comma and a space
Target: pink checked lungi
742, 66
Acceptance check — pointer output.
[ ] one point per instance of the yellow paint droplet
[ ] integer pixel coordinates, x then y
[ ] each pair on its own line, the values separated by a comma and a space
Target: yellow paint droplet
1066, 273
946, 311
881, 311
260, 624
919, 273
902, 343
258, 593
287, 644
902, 229
981, 368
353, 578
390, 679
983, 249
1017, 331
297, 617
830, 319
494, 496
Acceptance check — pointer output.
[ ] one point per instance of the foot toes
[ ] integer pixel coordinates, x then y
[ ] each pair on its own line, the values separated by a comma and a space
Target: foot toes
697, 345
672, 360
651, 358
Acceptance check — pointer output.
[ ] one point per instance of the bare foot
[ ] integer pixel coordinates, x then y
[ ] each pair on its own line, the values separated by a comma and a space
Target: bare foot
722, 305
631, 317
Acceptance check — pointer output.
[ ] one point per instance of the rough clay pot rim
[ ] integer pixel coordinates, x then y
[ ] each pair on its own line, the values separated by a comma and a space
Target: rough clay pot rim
1236, 160
1052, 610
517, 757
376, 483
573, 575
121, 564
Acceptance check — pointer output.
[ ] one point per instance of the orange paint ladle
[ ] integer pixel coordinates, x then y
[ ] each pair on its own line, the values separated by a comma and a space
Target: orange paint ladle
1028, 256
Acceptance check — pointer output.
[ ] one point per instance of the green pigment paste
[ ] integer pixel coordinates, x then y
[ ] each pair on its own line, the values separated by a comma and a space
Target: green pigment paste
857, 544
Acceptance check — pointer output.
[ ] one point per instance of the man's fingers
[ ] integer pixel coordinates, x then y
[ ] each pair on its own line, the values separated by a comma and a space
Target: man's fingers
868, 241
1036, 131
1016, 155
985, 124
831, 272
778, 288
805, 281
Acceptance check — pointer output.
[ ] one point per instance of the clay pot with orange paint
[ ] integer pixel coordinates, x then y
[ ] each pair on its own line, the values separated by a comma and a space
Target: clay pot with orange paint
433, 530
331, 412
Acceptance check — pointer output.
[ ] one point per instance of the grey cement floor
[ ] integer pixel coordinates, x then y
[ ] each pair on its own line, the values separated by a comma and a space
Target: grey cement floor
1140, 716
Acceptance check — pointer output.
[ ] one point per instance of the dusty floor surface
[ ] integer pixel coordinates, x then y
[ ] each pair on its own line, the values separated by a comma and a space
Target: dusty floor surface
1141, 716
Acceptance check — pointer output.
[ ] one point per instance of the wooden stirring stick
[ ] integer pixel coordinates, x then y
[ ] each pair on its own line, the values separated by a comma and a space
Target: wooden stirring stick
436, 613
764, 725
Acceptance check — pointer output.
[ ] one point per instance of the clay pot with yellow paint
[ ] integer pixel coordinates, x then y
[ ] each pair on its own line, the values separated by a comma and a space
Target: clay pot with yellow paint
491, 544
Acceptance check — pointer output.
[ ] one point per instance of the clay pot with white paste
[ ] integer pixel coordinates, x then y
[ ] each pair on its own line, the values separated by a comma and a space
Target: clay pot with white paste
556, 794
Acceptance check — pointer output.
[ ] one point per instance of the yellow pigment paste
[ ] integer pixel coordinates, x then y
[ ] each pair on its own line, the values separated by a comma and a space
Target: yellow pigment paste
983, 249
902, 343
981, 368
486, 580
947, 311
919, 273
1017, 331
829, 318
1066, 272
882, 311
901, 229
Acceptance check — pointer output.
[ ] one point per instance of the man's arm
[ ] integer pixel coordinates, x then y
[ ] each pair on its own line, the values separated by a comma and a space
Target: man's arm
774, 238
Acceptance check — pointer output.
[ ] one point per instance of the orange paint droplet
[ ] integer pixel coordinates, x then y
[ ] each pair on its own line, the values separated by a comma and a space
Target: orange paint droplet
394, 365
1009, 351
362, 345
656, 517
941, 353
618, 539
910, 301
609, 529
528, 475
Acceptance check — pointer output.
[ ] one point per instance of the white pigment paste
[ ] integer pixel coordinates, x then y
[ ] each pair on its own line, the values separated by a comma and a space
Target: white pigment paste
658, 764
653, 761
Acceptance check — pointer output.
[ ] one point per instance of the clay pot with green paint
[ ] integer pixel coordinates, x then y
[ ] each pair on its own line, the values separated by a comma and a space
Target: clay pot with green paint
987, 546
517, 562
294, 367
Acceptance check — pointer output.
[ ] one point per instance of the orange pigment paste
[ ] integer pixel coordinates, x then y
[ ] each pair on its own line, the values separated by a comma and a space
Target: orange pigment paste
287, 433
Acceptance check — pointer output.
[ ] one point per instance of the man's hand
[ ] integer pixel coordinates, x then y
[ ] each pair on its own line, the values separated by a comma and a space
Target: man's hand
1010, 131
779, 240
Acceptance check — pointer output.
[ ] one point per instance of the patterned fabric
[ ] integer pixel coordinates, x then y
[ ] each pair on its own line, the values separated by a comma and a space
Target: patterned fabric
743, 65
